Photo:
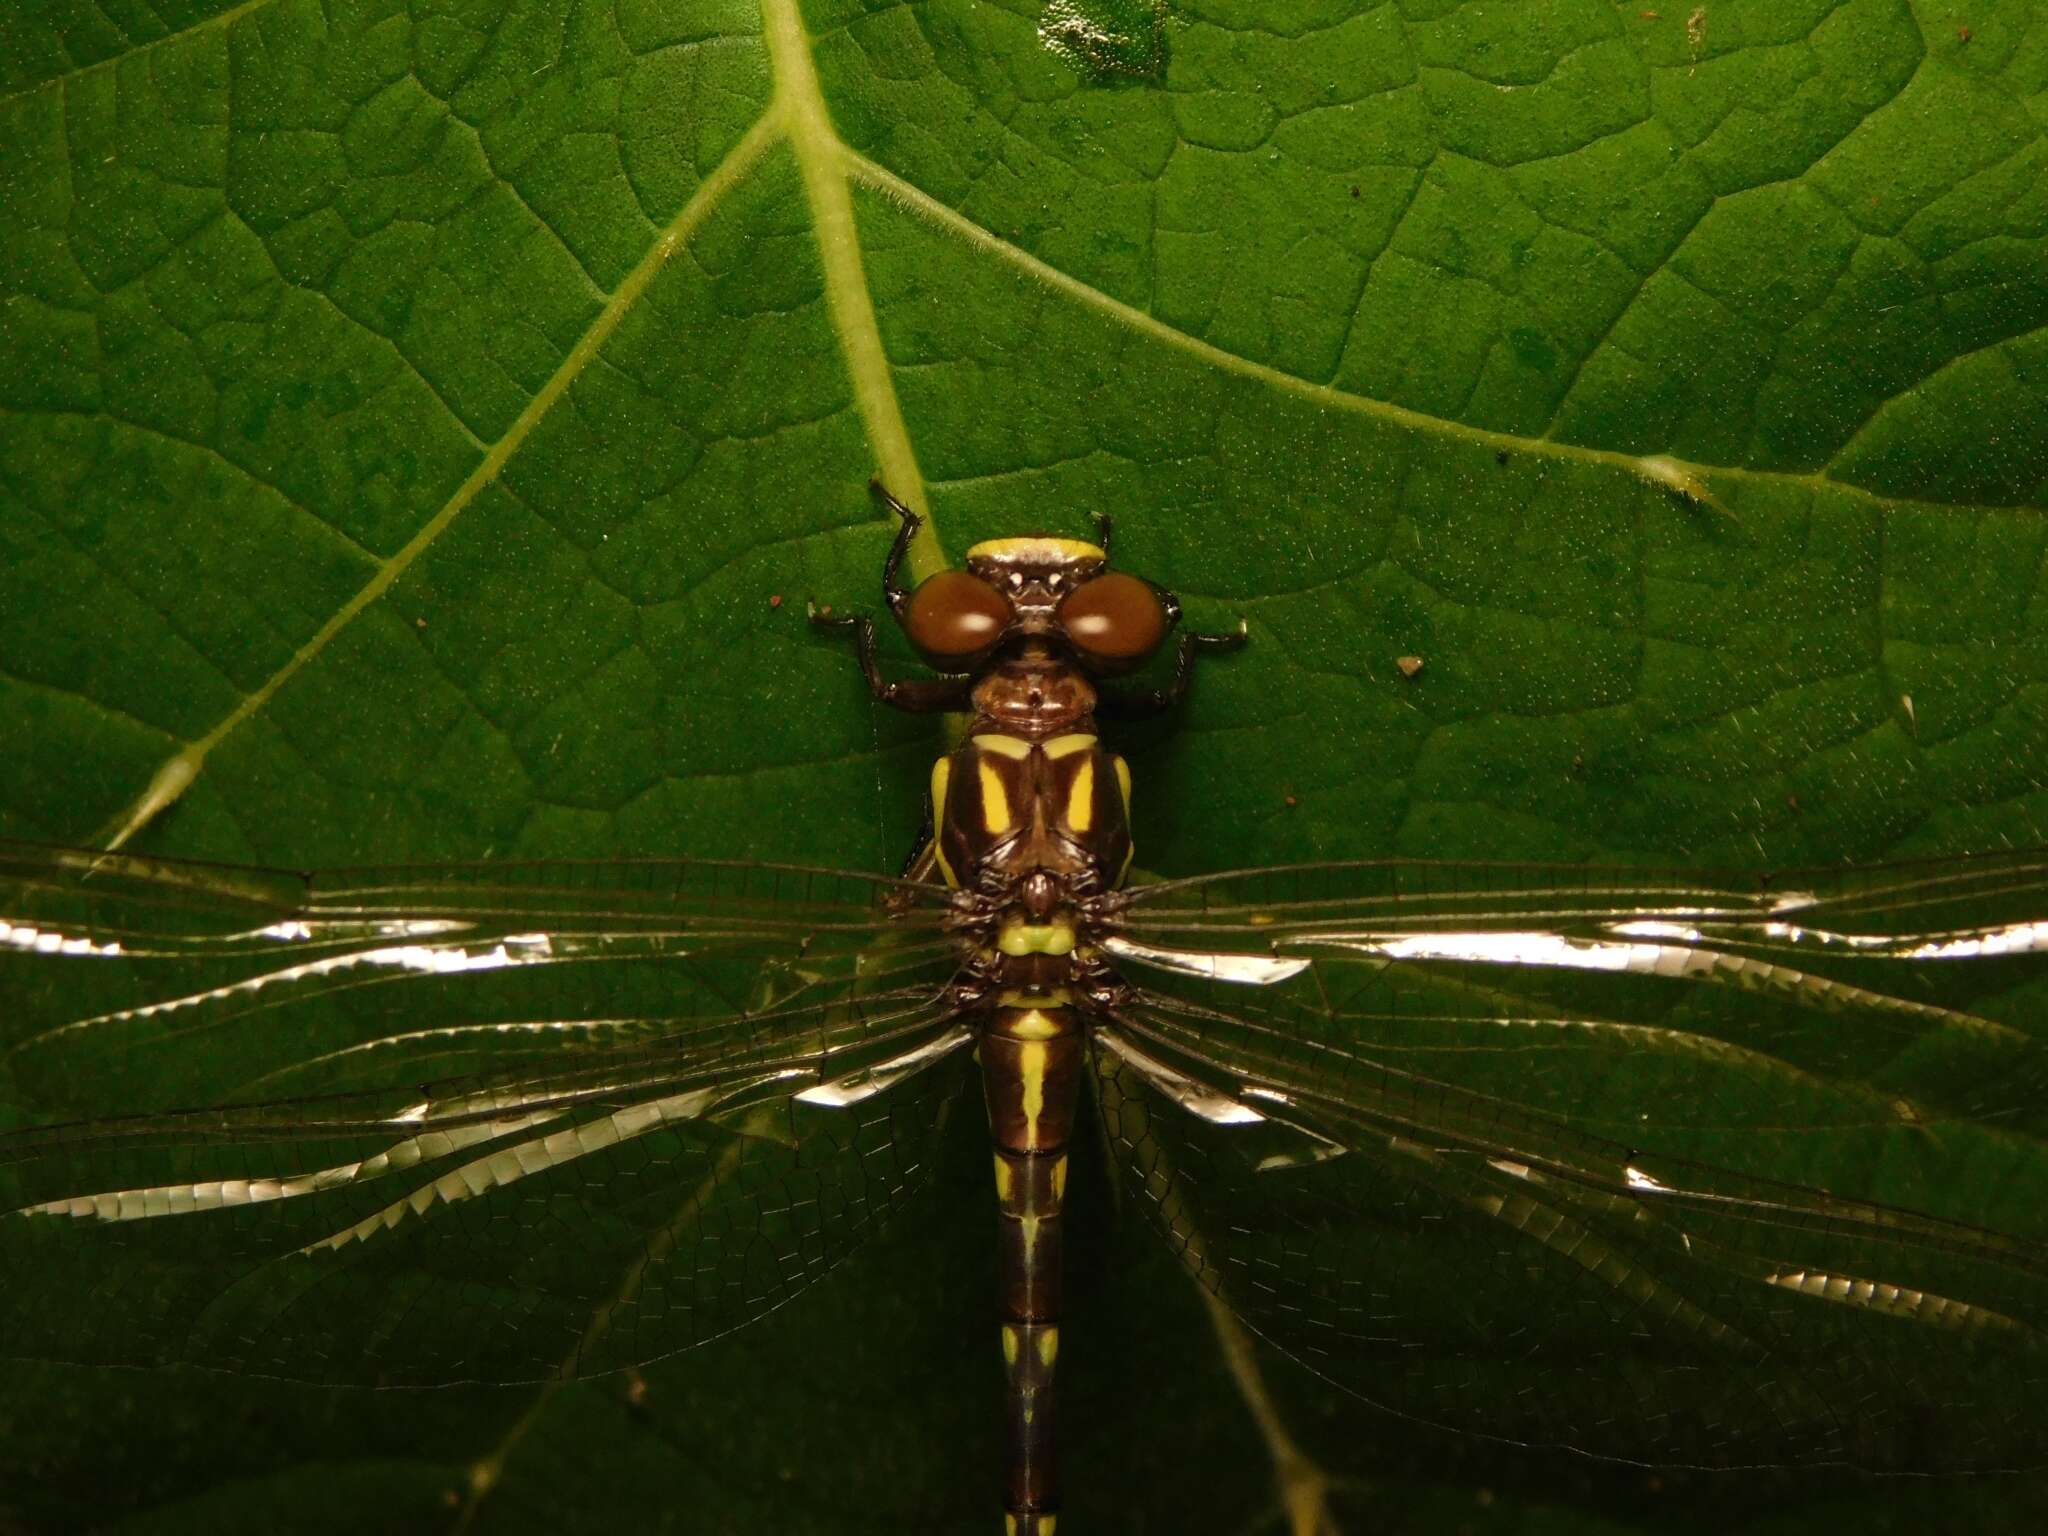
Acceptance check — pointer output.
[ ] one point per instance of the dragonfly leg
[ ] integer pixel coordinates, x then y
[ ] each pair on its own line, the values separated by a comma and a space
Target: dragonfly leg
1153, 701
893, 590
913, 695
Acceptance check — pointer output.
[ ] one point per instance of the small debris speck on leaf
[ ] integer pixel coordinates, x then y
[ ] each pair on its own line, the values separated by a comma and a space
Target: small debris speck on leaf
1409, 665
775, 600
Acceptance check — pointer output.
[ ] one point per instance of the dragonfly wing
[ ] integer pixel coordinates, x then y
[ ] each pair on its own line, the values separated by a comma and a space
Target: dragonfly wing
1748, 1018
506, 1228
1731, 1205
424, 1162
140, 984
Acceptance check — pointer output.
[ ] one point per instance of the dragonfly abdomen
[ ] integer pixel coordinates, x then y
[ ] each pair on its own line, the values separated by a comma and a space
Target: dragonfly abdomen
1031, 1059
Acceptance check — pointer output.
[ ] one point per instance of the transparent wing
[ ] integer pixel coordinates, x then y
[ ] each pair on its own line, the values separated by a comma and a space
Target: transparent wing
1625, 1167
491, 1124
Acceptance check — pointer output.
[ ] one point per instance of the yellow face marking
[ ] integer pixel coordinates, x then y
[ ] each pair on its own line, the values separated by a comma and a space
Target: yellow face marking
1036, 938
1033, 1026
1066, 746
995, 802
1035, 549
1048, 1347
1031, 1067
1004, 1178
942, 775
1004, 746
1081, 799
1059, 1177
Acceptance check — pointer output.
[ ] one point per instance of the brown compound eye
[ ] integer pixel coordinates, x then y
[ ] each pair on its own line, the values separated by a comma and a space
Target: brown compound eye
1114, 618
956, 617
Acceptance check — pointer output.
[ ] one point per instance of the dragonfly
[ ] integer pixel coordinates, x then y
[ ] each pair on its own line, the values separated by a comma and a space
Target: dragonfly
1736, 1170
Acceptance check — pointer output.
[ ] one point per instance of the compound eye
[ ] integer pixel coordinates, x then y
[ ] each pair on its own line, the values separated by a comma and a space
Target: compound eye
955, 616
1114, 618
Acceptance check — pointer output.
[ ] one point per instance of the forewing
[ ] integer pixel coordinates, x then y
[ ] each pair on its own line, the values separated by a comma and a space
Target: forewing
489, 1125
1741, 1199
137, 984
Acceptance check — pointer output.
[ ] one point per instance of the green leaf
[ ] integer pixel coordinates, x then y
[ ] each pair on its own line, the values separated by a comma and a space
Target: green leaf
411, 412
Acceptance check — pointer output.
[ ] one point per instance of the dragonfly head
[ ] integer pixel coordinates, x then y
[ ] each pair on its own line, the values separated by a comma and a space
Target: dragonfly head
1038, 597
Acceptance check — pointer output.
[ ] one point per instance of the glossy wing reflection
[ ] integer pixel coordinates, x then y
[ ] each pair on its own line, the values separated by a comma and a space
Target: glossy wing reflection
1672, 1171
482, 1124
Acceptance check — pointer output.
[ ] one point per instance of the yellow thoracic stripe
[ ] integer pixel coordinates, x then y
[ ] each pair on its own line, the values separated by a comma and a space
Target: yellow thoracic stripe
942, 775
1004, 746
995, 802
1081, 799
1123, 784
1065, 746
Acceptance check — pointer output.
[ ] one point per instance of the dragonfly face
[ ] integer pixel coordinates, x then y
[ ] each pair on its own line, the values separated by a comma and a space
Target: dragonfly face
1665, 1167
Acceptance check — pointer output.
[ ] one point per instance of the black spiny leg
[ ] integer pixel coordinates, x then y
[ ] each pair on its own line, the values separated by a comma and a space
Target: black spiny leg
916, 695
893, 589
1153, 701
912, 695
1103, 527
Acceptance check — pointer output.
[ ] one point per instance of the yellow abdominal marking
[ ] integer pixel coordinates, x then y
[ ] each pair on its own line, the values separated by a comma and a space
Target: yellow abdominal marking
1081, 799
1003, 1177
1010, 1345
1059, 1177
942, 775
995, 803
1056, 938
1066, 746
1058, 997
1048, 1347
1035, 549
1034, 1026
1031, 1067
1030, 1226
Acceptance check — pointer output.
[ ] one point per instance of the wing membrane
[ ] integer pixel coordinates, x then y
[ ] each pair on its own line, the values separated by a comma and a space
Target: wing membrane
465, 1124
190, 983
1709, 1017
1640, 1230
